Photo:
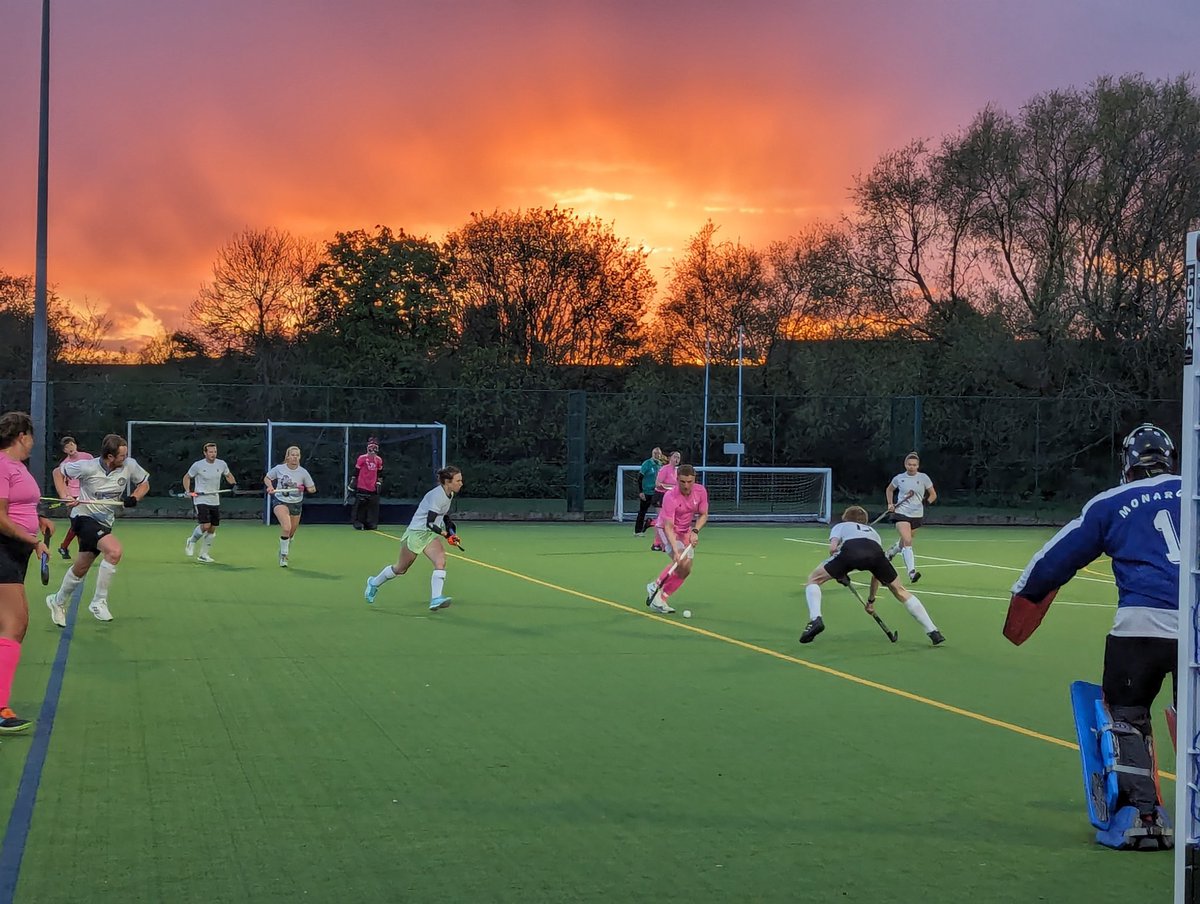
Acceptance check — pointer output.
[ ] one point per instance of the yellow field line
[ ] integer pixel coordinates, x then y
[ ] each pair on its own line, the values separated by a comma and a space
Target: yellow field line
766, 651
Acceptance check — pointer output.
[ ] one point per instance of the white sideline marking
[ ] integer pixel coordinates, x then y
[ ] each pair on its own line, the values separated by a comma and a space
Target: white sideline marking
922, 591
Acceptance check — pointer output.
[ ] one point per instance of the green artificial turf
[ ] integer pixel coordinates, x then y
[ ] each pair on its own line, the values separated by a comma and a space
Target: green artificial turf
242, 732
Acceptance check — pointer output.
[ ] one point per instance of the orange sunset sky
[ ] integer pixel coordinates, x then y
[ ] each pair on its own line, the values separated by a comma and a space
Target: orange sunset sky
176, 124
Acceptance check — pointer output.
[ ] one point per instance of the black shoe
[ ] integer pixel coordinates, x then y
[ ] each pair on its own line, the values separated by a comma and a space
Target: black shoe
936, 637
812, 629
914, 576
65, 553
10, 723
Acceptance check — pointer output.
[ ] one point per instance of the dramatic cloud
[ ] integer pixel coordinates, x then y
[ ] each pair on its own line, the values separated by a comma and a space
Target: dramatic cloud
176, 125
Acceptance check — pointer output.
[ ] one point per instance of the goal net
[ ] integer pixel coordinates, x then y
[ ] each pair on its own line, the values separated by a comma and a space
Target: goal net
745, 494
411, 453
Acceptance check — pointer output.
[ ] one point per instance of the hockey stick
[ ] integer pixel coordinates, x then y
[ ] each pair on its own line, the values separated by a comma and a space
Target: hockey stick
891, 635
687, 553
232, 491
55, 499
894, 507
46, 558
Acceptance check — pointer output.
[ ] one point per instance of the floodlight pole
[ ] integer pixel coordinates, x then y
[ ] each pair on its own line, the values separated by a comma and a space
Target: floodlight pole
38, 388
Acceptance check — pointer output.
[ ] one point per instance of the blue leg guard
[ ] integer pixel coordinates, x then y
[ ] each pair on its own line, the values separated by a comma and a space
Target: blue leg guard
1118, 768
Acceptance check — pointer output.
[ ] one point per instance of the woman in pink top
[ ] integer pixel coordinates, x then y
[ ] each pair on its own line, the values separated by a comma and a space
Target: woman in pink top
20, 525
71, 453
664, 482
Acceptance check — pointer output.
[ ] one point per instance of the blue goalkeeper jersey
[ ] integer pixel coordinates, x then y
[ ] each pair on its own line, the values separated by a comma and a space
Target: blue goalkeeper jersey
1137, 526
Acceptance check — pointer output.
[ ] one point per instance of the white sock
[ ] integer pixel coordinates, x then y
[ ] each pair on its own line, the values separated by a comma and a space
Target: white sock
207, 543
917, 611
283, 546
437, 582
196, 534
69, 583
103, 579
384, 576
812, 593
909, 559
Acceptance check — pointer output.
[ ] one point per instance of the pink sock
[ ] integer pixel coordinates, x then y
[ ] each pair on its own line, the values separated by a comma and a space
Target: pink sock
662, 575
673, 583
10, 655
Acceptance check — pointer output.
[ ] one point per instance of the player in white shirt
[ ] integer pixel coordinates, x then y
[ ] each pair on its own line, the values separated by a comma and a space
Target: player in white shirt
287, 483
906, 497
430, 523
855, 546
105, 484
208, 473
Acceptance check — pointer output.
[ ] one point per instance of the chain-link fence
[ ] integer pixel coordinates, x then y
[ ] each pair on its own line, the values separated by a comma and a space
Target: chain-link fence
513, 444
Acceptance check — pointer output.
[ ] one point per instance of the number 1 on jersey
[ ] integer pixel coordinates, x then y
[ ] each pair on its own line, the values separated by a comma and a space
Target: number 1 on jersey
1165, 526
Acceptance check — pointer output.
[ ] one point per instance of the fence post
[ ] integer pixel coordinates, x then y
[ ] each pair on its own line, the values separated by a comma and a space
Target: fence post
918, 409
576, 448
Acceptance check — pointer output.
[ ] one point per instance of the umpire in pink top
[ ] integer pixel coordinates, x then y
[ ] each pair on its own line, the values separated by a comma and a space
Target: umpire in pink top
22, 532
367, 483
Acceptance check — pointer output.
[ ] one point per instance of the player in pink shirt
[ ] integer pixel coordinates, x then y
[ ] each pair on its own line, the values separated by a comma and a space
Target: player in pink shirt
366, 487
71, 453
665, 480
684, 512
22, 532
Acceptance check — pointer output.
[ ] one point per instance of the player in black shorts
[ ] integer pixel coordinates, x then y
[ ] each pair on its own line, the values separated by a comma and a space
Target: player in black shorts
855, 546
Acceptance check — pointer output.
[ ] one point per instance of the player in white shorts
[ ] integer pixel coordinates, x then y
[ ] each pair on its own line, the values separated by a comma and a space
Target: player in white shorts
429, 525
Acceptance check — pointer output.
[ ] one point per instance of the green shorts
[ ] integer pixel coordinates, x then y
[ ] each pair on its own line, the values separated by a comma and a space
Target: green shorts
417, 540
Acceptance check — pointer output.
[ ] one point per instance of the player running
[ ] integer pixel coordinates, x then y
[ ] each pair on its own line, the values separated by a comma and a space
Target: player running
430, 523
678, 535
207, 472
855, 546
906, 497
71, 453
665, 481
105, 484
287, 483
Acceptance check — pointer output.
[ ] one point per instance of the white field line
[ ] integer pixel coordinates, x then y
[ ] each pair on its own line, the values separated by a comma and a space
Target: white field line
922, 591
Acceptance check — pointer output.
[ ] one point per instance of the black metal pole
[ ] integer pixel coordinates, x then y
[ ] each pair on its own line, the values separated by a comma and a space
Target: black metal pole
37, 392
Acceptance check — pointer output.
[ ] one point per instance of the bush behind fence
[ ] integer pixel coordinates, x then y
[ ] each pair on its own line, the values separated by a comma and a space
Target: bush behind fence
512, 443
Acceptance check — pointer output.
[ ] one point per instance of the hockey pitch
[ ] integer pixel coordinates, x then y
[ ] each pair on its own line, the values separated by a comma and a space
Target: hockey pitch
245, 733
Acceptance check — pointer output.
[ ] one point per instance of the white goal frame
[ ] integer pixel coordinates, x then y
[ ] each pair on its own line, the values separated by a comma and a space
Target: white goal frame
823, 515
270, 426
1187, 754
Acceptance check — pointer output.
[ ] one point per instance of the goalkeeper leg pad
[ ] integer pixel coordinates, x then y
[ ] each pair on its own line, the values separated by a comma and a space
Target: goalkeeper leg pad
1119, 772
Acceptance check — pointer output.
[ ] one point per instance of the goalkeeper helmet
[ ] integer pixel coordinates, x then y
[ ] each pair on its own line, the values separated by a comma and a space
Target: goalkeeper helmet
1147, 452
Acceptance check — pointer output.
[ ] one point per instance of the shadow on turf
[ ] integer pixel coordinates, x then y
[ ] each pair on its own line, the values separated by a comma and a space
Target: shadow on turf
319, 575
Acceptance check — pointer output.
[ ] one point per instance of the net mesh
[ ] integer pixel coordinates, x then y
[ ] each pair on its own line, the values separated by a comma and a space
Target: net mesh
744, 494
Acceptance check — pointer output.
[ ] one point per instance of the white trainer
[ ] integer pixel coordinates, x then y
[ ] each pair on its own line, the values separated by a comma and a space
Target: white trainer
189, 548
58, 611
205, 557
283, 561
660, 605
99, 608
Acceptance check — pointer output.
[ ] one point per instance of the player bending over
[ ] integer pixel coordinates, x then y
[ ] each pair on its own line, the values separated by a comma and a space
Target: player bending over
1137, 525
207, 473
906, 497
855, 546
114, 477
678, 535
430, 523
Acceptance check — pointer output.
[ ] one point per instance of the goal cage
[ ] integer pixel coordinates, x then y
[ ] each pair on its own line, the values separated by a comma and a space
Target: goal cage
744, 494
411, 453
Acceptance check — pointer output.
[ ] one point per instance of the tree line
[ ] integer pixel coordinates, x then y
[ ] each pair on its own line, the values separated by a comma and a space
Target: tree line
1030, 253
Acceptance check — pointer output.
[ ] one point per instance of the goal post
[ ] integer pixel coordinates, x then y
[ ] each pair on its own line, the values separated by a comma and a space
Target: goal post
744, 494
412, 455
1187, 756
